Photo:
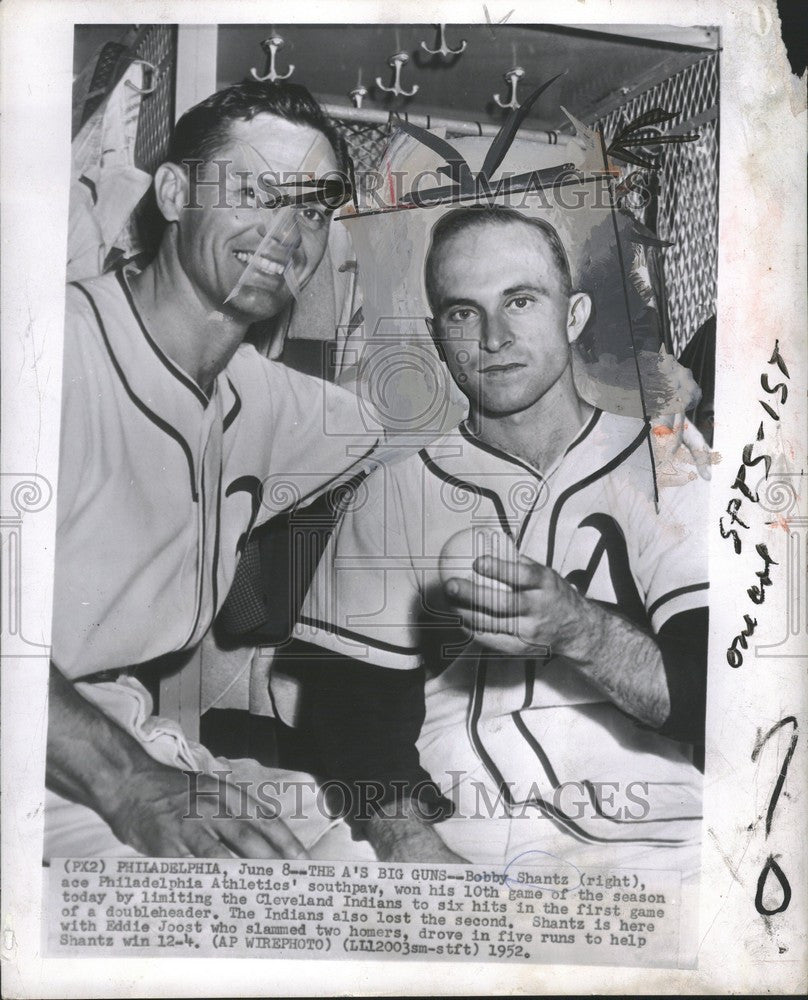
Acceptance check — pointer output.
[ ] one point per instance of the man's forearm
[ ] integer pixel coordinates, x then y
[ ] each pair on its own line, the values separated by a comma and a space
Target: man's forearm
89, 758
149, 805
405, 836
623, 661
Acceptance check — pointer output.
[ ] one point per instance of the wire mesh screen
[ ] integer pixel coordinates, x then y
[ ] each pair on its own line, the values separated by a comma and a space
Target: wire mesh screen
365, 145
687, 207
157, 45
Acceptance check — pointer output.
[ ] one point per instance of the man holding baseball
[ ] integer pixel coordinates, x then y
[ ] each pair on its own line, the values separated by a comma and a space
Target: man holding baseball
545, 668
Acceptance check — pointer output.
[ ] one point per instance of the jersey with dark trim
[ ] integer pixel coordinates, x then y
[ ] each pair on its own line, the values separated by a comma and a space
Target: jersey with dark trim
159, 484
527, 727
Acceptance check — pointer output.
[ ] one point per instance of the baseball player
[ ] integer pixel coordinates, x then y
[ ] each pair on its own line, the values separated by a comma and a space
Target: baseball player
555, 691
177, 440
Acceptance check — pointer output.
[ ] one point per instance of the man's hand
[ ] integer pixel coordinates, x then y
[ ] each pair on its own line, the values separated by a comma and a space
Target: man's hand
405, 837
542, 614
163, 812
148, 805
678, 446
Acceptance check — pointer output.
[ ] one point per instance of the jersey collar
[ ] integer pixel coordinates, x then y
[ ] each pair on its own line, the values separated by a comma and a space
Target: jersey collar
182, 384
180, 376
514, 486
504, 456
154, 384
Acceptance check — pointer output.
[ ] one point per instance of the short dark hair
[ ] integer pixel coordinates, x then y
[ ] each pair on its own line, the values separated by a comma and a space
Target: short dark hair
459, 220
203, 130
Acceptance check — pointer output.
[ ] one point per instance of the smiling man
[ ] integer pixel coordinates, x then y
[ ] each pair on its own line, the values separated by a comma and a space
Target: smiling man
555, 692
171, 430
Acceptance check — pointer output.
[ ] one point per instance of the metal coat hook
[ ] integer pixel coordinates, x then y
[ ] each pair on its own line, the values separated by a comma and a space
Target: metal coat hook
512, 78
270, 46
443, 49
150, 68
399, 59
359, 93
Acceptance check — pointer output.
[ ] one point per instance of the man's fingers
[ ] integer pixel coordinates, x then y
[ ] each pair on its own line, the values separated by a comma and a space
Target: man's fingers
503, 634
260, 838
678, 428
511, 644
477, 597
237, 824
202, 842
476, 621
673, 432
285, 842
698, 448
521, 573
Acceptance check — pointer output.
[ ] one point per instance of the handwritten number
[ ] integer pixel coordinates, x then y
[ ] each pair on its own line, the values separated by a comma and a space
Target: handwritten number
757, 594
771, 867
781, 386
789, 720
750, 462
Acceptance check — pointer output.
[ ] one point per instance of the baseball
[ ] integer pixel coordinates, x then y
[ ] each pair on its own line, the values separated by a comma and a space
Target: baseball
458, 554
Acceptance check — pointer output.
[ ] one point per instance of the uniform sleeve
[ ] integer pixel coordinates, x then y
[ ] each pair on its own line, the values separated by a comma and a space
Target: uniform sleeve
671, 567
683, 643
74, 433
364, 599
319, 435
76, 484
671, 562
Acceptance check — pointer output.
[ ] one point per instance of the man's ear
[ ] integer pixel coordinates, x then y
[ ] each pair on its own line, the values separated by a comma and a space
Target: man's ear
171, 190
578, 313
430, 325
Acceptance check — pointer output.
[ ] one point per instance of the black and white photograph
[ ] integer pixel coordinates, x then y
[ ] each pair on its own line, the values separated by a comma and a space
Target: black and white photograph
416, 497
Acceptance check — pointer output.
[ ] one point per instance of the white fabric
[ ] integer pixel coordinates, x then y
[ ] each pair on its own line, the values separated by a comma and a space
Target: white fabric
235, 678
534, 724
158, 486
73, 830
105, 184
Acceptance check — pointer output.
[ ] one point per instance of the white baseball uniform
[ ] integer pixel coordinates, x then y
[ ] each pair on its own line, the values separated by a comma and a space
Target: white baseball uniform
530, 735
159, 487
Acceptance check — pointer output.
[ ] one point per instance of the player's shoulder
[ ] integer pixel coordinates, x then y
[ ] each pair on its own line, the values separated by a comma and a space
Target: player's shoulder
640, 466
401, 479
609, 451
102, 286
95, 308
249, 368
620, 438
448, 449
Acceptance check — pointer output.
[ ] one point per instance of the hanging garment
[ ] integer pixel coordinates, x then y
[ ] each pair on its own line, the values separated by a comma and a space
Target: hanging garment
105, 184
